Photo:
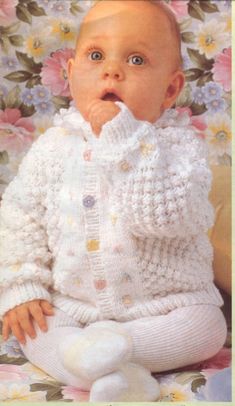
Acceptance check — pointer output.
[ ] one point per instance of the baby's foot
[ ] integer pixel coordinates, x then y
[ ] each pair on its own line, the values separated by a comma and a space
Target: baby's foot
95, 352
131, 383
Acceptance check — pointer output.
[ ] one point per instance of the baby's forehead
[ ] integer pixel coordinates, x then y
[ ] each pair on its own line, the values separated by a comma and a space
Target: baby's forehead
133, 17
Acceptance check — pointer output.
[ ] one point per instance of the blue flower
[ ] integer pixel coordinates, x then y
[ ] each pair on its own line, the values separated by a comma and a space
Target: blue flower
45, 107
218, 387
9, 62
12, 348
212, 91
60, 7
199, 95
27, 97
40, 94
214, 106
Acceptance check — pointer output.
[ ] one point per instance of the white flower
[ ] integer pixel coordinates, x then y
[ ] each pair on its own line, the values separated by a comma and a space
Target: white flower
212, 38
175, 392
19, 392
219, 135
39, 41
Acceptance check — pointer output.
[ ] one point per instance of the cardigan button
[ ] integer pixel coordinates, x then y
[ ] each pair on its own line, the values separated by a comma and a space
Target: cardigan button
88, 202
87, 155
100, 284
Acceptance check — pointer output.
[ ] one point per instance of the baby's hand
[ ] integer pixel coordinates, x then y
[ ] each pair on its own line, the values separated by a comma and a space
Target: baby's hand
100, 112
20, 319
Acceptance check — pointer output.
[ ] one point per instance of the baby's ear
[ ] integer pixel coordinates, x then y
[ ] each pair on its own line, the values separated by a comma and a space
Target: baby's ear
176, 84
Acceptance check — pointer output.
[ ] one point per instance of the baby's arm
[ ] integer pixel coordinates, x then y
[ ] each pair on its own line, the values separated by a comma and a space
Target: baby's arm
159, 177
24, 255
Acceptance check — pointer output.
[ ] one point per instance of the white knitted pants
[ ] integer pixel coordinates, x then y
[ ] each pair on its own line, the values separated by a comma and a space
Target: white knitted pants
182, 337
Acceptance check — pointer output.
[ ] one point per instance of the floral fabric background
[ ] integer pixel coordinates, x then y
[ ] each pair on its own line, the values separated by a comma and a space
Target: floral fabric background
37, 38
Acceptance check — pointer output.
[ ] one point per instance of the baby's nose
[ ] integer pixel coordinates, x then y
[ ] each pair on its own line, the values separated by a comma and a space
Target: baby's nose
113, 70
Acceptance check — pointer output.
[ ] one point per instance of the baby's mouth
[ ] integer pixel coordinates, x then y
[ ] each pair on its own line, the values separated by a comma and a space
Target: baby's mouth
111, 97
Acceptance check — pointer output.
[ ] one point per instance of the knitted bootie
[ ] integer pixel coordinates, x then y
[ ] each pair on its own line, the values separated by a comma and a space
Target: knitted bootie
131, 383
96, 351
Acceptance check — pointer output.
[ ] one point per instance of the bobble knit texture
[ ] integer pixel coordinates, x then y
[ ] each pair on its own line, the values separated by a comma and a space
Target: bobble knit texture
109, 228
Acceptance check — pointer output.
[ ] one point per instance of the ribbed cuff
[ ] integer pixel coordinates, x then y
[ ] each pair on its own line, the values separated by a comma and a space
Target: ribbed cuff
120, 136
18, 294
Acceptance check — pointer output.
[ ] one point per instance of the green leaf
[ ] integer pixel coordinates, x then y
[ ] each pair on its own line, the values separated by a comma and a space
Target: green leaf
26, 111
186, 377
206, 77
61, 102
2, 104
75, 8
208, 7
5, 43
198, 109
4, 359
10, 29
16, 40
13, 99
18, 76
200, 60
192, 74
4, 158
23, 14
185, 97
195, 11
28, 62
185, 24
35, 10
54, 394
197, 383
35, 80
188, 37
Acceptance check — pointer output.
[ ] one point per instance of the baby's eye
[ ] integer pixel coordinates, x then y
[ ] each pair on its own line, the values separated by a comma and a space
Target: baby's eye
136, 60
96, 56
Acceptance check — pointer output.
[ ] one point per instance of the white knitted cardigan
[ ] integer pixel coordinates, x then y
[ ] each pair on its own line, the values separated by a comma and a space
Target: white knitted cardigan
112, 227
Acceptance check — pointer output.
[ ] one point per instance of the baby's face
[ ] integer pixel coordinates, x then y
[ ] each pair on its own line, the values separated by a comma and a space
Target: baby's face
123, 54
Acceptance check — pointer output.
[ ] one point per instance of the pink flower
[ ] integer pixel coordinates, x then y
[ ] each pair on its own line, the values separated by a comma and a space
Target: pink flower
15, 131
72, 393
54, 72
7, 11
222, 69
179, 7
11, 373
197, 121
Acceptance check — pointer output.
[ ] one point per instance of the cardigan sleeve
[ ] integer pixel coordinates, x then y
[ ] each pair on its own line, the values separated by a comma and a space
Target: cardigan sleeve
24, 255
159, 177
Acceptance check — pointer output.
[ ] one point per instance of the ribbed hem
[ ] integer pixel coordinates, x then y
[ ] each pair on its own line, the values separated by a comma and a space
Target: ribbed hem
82, 312
19, 294
85, 313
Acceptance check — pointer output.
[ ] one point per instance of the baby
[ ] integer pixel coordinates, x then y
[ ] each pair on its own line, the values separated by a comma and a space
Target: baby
106, 267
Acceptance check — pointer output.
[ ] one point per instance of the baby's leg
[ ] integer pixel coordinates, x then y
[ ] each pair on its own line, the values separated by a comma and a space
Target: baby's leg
43, 351
182, 337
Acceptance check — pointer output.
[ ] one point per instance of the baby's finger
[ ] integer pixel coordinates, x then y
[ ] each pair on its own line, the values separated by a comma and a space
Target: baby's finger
37, 313
47, 308
16, 329
25, 322
5, 329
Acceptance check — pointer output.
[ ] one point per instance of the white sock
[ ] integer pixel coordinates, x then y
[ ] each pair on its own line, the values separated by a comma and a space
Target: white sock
99, 350
131, 383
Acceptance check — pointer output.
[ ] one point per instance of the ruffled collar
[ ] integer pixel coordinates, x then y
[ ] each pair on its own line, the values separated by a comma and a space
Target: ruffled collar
72, 119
